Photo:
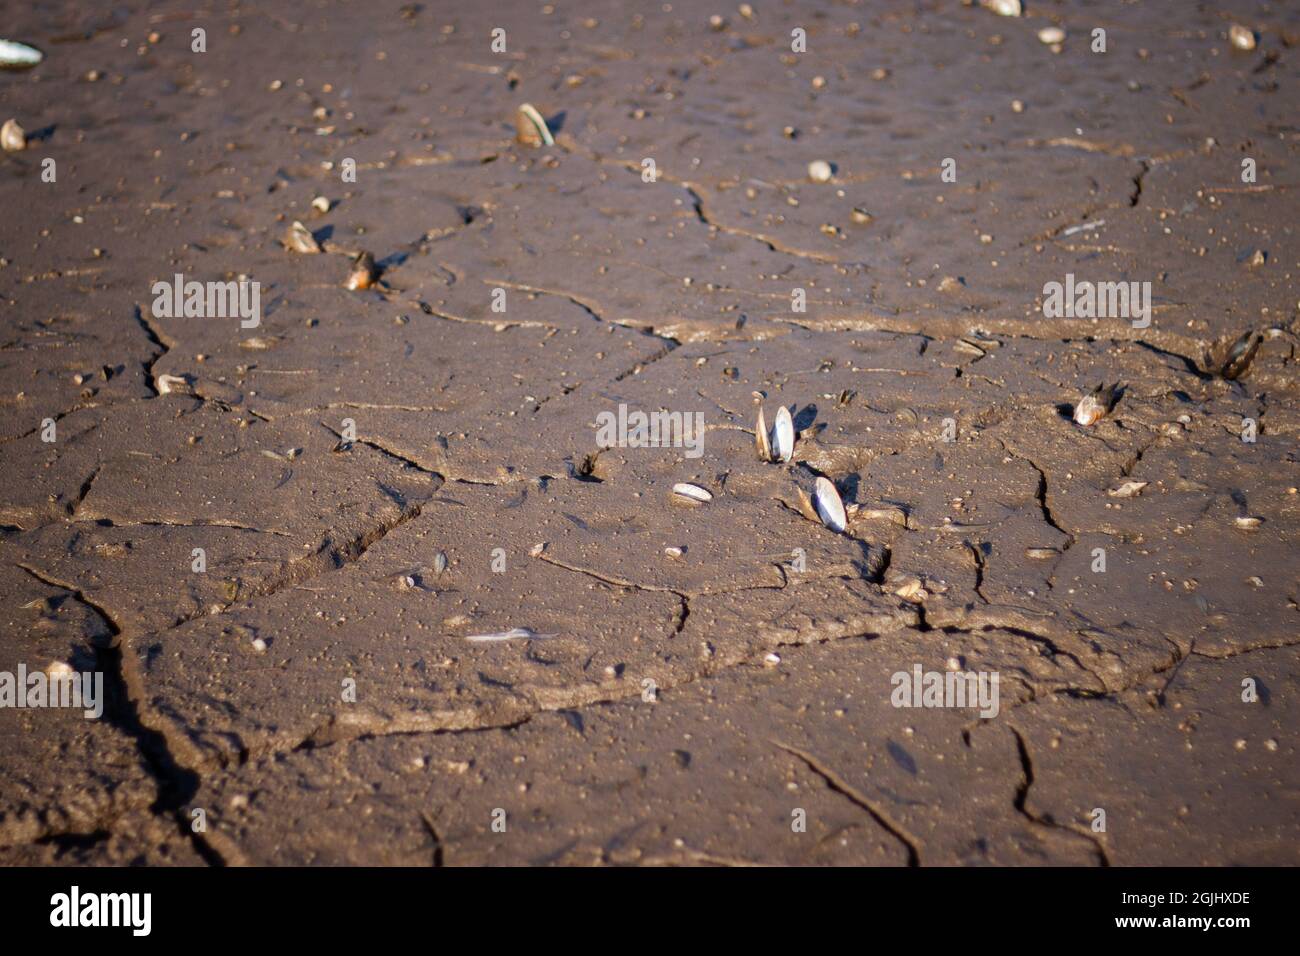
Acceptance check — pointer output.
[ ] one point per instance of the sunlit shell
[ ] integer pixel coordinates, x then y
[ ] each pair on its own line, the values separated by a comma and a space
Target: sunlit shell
18, 56
761, 444
320, 204
300, 239
12, 137
1241, 37
819, 171
531, 128
514, 634
1249, 522
1003, 8
1093, 407
1240, 355
912, 591
364, 272
1050, 35
783, 435
167, 384
829, 506
1042, 554
693, 492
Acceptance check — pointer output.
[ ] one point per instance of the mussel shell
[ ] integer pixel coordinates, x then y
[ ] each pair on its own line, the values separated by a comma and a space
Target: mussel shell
829, 506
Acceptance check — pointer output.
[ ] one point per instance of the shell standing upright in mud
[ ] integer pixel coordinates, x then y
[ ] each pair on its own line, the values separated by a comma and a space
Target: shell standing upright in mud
829, 506
1096, 405
364, 272
782, 435
18, 56
1239, 355
761, 443
684, 489
300, 239
531, 128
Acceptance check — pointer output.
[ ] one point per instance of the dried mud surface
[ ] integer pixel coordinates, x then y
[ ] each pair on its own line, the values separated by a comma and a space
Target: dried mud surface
683, 710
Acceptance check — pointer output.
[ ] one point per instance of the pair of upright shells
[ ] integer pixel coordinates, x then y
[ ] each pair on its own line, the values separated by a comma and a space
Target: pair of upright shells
777, 444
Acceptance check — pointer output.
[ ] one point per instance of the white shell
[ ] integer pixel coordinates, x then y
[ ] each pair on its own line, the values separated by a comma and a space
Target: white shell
829, 506
1249, 521
819, 171
1089, 411
300, 239
1241, 37
1003, 8
12, 137
783, 435
532, 128
1050, 35
18, 55
694, 492
514, 634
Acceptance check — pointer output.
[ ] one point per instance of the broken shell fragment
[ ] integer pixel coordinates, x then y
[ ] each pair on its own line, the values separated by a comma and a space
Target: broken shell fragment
761, 444
1093, 407
1050, 35
300, 239
693, 492
531, 128
1249, 522
18, 56
320, 204
782, 441
1241, 37
514, 634
912, 591
819, 171
829, 506
167, 384
12, 137
364, 272
1128, 489
1042, 554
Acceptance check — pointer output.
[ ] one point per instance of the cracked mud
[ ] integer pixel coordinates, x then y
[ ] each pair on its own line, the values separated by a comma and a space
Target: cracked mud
375, 477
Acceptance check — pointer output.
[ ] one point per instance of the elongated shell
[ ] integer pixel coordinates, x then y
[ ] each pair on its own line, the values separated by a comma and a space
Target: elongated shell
783, 435
693, 492
531, 128
18, 56
1240, 355
829, 506
1093, 407
761, 444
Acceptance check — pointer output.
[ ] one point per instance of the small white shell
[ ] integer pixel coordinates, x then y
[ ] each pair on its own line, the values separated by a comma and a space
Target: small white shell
12, 137
693, 492
320, 204
1089, 411
1003, 8
1241, 37
819, 171
531, 128
783, 435
829, 506
166, 384
300, 239
1249, 522
1050, 35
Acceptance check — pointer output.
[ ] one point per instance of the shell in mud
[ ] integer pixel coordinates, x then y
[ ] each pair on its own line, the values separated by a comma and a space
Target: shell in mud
18, 56
300, 239
1249, 522
1128, 489
1042, 554
12, 137
1096, 405
1003, 8
829, 506
531, 128
1051, 35
819, 171
1241, 37
364, 272
783, 435
692, 492
1239, 356
761, 444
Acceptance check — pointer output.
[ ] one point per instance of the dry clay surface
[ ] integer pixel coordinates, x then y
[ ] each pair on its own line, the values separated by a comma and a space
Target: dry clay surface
710, 683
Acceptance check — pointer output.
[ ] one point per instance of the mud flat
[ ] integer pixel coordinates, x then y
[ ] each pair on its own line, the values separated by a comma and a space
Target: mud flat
366, 587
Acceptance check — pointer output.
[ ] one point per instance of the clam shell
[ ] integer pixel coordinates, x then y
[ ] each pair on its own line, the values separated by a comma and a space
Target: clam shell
829, 506
514, 634
819, 171
1042, 554
300, 239
364, 272
531, 128
1242, 38
1003, 8
18, 56
1050, 35
12, 137
1248, 522
783, 435
693, 492
761, 444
